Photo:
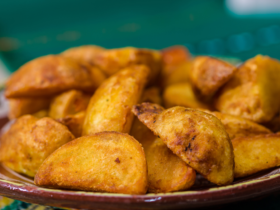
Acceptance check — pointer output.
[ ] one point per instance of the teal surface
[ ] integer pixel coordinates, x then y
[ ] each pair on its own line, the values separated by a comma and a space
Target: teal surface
32, 28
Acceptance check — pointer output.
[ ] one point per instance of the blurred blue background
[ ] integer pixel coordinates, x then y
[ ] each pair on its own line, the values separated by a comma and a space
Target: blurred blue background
236, 28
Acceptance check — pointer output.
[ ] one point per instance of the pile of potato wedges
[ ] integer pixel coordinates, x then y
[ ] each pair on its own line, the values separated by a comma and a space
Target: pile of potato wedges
133, 121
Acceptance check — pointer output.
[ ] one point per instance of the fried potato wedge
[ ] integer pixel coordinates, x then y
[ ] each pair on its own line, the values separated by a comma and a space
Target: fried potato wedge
29, 141
175, 55
110, 106
111, 61
176, 65
209, 74
182, 94
22, 106
166, 171
151, 95
253, 91
239, 127
74, 123
198, 138
256, 153
52, 74
107, 161
68, 103
85, 53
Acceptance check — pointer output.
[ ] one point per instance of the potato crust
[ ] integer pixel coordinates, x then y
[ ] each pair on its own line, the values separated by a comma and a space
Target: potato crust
68, 103
110, 106
255, 153
196, 137
253, 91
166, 171
52, 74
104, 162
30, 141
209, 74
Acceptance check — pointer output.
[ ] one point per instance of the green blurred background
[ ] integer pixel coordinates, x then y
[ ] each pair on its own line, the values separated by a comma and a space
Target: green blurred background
33, 28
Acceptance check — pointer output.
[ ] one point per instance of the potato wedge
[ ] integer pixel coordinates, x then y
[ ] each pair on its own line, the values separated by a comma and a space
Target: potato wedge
52, 74
209, 74
152, 95
239, 127
85, 53
68, 103
110, 106
175, 55
106, 161
176, 65
166, 171
198, 138
22, 106
29, 141
111, 61
253, 91
255, 153
182, 94
74, 123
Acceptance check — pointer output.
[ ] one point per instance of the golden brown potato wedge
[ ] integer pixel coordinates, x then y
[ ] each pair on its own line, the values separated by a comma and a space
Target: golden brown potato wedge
182, 94
68, 103
166, 171
29, 141
175, 55
151, 95
110, 106
198, 138
209, 74
106, 161
85, 53
23, 106
111, 61
239, 127
52, 74
256, 153
176, 65
253, 91
74, 123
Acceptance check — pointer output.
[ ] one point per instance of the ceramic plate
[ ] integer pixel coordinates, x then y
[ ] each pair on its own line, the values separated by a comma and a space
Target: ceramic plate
18, 187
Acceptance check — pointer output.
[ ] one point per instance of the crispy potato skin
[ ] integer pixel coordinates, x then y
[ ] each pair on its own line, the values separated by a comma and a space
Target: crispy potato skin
253, 91
74, 123
110, 106
22, 106
209, 74
151, 95
85, 53
106, 161
30, 141
68, 103
196, 137
112, 61
166, 171
182, 94
239, 127
52, 74
256, 153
